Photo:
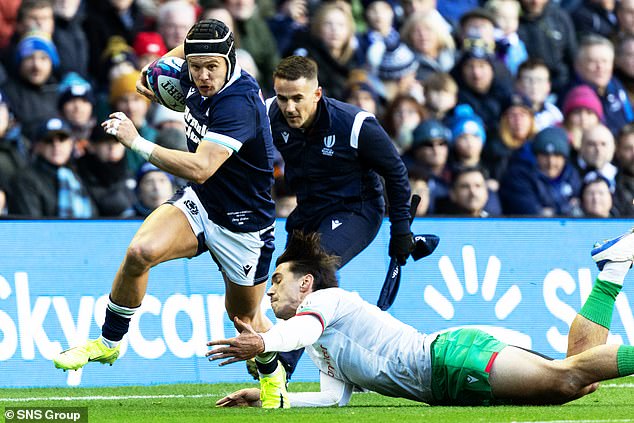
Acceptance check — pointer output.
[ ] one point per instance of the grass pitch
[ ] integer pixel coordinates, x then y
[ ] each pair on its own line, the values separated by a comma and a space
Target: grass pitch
613, 402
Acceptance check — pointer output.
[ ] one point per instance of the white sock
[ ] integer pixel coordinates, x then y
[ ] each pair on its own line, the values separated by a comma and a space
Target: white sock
108, 343
615, 271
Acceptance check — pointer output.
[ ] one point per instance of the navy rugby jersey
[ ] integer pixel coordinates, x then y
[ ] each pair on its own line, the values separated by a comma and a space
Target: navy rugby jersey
336, 163
238, 195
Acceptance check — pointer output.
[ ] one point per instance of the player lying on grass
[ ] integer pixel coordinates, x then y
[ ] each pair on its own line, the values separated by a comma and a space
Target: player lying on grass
353, 343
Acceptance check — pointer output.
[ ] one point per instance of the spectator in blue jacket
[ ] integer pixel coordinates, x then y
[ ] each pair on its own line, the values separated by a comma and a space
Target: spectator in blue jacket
541, 182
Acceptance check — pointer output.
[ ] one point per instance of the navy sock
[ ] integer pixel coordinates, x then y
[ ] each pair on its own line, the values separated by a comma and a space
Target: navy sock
266, 363
117, 321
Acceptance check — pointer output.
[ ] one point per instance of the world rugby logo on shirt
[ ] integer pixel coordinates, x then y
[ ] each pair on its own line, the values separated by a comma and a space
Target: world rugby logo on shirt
329, 142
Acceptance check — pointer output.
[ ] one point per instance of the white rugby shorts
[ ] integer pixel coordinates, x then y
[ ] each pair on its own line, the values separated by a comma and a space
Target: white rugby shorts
244, 257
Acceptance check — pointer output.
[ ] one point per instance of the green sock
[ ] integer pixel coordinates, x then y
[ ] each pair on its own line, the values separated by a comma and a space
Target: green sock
599, 306
625, 360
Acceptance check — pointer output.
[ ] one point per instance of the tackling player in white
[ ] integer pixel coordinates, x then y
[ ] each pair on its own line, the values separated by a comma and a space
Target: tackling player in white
353, 343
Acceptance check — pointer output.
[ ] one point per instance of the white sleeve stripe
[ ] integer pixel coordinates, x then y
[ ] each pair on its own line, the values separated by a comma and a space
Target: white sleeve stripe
268, 103
356, 128
229, 142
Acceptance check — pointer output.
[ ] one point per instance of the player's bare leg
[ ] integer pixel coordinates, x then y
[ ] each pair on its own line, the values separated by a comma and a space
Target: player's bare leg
164, 235
245, 303
528, 378
591, 326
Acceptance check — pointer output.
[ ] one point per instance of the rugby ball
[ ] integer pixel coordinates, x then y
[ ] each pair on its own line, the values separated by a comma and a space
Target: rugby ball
163, 78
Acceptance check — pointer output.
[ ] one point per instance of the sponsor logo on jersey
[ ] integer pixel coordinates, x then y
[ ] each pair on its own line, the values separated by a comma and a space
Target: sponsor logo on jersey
193, 128
191, 206
335, 223
247, 268
471, 379
285, 136
329, 142
328, 360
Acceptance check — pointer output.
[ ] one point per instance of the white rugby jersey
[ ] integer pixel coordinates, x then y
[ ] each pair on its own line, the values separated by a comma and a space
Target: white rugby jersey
359, 344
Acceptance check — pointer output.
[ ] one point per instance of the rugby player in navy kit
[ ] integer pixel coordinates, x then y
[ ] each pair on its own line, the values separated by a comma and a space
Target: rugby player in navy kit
226, 209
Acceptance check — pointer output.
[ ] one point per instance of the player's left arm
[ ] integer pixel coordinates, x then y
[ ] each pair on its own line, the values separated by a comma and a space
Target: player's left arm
196, 167
332, 392
377, 152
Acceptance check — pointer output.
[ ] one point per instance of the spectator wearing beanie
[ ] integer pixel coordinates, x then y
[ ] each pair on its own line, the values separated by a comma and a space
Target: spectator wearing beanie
106, 176
50, 186
480, 87
124, 98
397, 72
148, 46
582, 110
429, 153
545, 184
76, 104
381, 34
467, 138
117, 59
33, 91
32, 15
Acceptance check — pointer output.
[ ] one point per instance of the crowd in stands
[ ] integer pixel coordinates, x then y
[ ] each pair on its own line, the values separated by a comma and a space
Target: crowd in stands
498, 107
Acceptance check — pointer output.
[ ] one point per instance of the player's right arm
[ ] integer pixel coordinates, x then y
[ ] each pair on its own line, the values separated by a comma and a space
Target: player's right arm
196, 167
141, 82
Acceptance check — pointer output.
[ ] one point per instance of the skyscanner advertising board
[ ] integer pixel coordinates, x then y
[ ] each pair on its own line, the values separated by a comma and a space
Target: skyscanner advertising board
522, 280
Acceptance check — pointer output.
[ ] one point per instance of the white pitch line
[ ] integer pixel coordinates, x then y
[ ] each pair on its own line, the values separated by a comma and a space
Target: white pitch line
105, 398
175, 396
580, 421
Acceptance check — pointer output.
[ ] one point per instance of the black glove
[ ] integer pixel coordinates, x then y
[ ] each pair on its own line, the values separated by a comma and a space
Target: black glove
401, 246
